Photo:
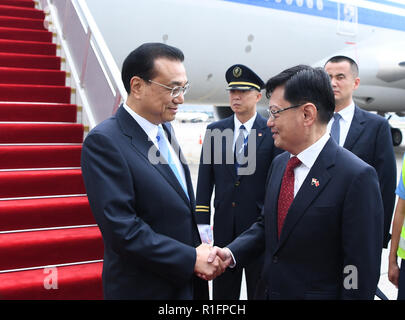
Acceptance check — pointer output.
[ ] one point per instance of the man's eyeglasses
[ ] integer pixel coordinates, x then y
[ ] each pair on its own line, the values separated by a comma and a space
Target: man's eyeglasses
175, 91
273, 110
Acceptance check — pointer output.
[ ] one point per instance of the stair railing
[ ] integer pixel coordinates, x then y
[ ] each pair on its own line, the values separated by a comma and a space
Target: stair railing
94, 71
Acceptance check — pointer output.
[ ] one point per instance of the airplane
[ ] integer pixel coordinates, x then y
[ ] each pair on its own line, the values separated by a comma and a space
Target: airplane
191, 117
268, 36
214, 34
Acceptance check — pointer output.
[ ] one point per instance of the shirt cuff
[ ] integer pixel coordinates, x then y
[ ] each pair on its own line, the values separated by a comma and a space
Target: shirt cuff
233, 264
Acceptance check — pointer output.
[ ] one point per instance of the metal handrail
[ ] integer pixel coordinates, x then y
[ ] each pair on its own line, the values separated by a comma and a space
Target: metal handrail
94, 71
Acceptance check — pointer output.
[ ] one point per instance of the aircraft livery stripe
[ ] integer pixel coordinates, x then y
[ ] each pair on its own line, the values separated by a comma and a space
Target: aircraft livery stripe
378, 13
392, 3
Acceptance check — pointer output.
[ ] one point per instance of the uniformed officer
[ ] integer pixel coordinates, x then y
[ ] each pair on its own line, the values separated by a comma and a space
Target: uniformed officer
236, 155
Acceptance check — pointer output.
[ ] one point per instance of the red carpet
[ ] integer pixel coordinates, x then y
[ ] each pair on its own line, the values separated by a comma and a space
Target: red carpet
41, 183
20, 3
45, 213
43, 248
45, 217
38, 112
41, 133
15, 10
34, 93
44, 156
19, 60
27, 47
73, 282
32, 76
23, 34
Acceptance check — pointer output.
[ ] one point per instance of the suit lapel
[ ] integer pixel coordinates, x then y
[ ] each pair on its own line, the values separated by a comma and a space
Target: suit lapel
183, 162
316, 180
356, 128
273, 190
141, 142
259, 129
227, 147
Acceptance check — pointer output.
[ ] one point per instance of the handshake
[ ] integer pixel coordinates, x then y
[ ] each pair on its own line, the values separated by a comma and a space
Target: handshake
211, 261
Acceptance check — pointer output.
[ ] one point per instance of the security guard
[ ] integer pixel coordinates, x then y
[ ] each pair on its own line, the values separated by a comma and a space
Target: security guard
236, 155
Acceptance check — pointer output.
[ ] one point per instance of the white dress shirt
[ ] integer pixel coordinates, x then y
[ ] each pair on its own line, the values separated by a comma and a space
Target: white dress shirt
345, 121
151, 130
248, 127
307, 158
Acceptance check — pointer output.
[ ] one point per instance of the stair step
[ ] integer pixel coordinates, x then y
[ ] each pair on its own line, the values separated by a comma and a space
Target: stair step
13, 11
15, 184
32, 76
25, 157
50, 247
41, 133
25, 34
38, 112
18, 3
45, 213
27, 47
34, 93
59, 201
20, 60
74, 282
26, 23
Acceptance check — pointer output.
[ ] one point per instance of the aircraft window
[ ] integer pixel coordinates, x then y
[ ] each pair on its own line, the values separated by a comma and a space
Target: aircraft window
300, 3
310, 4
319, 4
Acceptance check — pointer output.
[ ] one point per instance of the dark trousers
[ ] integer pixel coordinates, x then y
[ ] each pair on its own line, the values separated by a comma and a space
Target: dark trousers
401, 282
227, 286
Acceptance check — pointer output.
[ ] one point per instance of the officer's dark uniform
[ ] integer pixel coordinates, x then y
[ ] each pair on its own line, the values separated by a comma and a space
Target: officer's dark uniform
238, 198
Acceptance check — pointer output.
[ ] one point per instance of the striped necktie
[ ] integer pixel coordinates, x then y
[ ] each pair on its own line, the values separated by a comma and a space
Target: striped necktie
335, 130
240, 148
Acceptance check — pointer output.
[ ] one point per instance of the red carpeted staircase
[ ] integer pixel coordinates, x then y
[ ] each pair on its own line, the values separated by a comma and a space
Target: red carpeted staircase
50, 247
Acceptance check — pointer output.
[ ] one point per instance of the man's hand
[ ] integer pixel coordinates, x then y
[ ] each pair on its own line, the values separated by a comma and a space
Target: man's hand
207, 267
224, 254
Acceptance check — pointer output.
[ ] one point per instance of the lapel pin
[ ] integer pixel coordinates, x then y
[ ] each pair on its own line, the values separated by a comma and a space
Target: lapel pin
315, 182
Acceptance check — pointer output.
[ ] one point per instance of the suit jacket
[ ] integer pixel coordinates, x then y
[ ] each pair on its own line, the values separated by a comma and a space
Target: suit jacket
238, 199
369, 138
330, 228
146, 220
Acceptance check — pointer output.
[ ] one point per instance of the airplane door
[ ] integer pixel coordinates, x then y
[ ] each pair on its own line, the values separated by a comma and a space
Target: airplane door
347, 19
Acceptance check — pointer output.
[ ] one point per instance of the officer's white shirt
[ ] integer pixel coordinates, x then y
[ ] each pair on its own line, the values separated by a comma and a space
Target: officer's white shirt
248, 127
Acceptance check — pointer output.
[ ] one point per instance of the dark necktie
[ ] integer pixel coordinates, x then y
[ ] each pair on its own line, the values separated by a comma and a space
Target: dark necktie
286, 195
335, 130
240, 157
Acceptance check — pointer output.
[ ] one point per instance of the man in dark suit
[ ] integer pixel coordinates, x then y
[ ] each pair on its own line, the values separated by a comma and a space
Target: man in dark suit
239, 185
322, 222
142, 198
365, 134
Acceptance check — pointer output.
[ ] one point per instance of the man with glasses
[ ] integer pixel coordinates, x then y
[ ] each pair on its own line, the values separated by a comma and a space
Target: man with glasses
239, 179
140, 190
322, 222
